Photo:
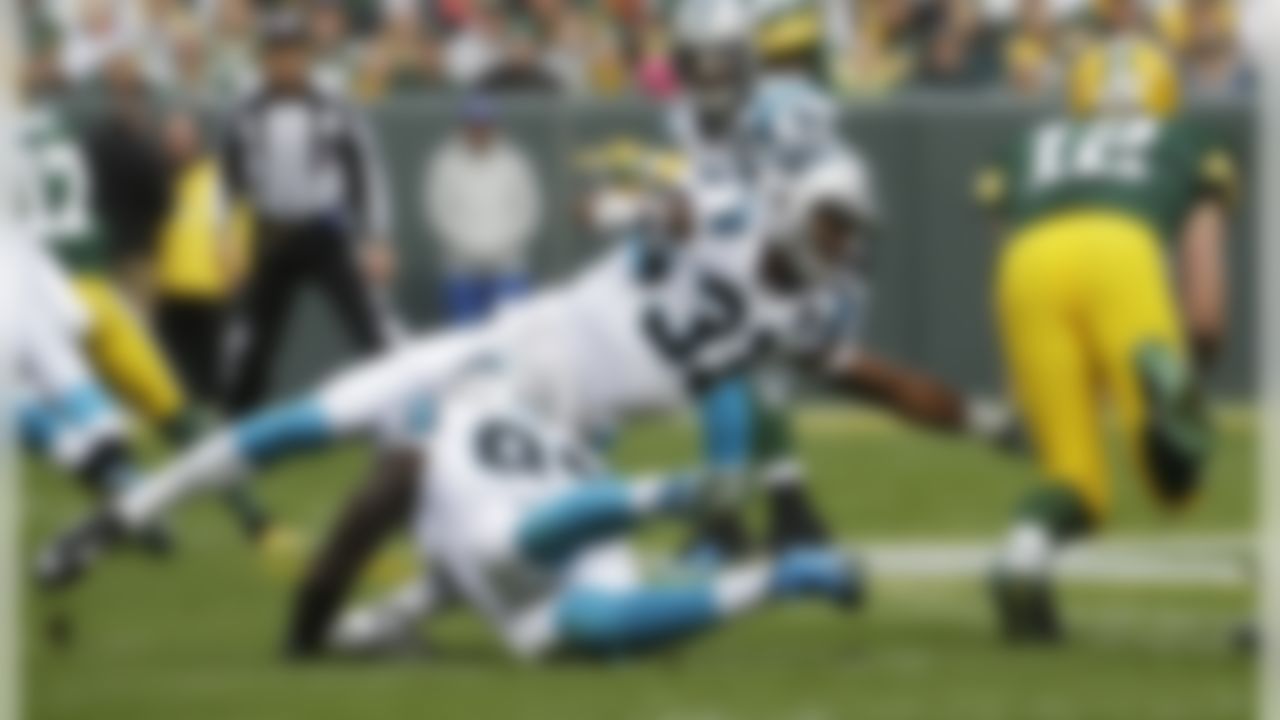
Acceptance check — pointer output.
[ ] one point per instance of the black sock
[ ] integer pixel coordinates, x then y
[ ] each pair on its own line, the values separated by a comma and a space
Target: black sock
724, 532
793, 518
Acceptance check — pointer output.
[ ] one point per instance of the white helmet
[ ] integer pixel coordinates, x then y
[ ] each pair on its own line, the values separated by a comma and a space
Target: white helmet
713, 22
715, 57
836, 188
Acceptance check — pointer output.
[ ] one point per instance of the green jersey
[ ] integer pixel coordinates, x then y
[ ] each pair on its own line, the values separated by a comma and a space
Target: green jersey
64, 213
1143, 167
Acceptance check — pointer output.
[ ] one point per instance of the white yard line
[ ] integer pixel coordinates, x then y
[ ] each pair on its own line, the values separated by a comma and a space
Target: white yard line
1212, 560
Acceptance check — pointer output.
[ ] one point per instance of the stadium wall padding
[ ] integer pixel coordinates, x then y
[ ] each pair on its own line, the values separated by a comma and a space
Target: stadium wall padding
931, 266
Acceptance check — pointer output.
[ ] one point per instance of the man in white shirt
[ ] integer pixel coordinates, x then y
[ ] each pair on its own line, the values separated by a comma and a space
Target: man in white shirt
482, 200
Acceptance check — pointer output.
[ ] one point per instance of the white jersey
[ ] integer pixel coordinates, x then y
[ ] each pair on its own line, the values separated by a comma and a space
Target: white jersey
494, 462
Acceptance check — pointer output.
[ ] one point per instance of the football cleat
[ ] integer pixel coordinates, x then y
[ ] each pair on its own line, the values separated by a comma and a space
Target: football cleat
65, 561
1177, 437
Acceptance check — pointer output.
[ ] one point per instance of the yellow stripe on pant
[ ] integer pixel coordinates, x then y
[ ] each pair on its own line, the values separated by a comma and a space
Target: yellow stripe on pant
124, 353
1077, 295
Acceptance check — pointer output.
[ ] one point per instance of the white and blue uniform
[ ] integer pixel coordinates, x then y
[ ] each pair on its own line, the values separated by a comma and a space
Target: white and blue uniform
516, 519
62, 407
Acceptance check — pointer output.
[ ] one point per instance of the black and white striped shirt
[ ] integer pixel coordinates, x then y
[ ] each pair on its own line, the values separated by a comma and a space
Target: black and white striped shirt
306, 156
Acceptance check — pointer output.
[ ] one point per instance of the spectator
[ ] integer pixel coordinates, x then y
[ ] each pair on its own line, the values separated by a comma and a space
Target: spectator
882, 56
199, 257
93, 32
483, 200
131, 175
522, 68
401, 60
957, 53
1032, 51
471, 48
1212, 63
336, 54
231, 45
655, 75
190, 74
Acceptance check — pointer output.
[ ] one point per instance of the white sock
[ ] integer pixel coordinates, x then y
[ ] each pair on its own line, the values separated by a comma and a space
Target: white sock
213, 464
1028, 550
741, 588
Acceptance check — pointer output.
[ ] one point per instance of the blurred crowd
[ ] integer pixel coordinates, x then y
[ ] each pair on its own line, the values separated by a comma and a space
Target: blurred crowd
203, 50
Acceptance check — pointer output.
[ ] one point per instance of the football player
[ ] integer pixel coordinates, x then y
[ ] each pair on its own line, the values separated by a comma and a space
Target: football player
752, 121
117, 343
1111, 281
519, 522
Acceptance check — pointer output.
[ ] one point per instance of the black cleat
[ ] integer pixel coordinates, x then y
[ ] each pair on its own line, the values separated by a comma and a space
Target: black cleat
1178, 436
1026, 610
64, 562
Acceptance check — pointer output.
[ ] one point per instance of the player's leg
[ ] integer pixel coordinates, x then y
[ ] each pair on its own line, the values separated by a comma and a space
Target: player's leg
86, 432
358, 401
596, 511
727, 421
793, 518
130, 361
1147, 367
133, 364
603, 619
379, 507
1050, 368
80, 425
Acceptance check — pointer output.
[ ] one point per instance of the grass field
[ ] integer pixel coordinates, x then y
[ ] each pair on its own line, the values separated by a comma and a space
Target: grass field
197, 638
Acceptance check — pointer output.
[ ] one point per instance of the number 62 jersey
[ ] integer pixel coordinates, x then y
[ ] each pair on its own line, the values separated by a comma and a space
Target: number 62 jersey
1139, 166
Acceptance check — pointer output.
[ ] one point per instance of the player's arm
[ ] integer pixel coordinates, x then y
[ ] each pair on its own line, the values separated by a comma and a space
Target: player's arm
1202, 270
1203, 279
920, 398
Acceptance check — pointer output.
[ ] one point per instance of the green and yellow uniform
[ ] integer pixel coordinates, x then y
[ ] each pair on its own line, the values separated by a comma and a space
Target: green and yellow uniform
117, 342
1083, 295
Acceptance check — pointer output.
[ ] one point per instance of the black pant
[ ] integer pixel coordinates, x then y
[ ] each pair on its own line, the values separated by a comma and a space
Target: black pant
191, 331
288, 254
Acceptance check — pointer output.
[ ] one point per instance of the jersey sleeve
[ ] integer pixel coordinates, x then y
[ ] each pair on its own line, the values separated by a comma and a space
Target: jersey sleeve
1211, 166
1217, 175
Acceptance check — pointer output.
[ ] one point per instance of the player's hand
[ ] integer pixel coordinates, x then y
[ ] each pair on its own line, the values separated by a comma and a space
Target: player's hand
996, 424
378, 261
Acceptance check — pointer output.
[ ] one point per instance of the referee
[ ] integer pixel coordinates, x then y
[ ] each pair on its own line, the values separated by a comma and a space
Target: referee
302, 162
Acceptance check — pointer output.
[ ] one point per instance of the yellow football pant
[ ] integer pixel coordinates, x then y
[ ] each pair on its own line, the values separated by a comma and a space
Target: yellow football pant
122, 350
1076, 297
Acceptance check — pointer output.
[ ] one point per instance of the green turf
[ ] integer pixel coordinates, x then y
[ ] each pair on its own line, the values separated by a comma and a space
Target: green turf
197, 639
